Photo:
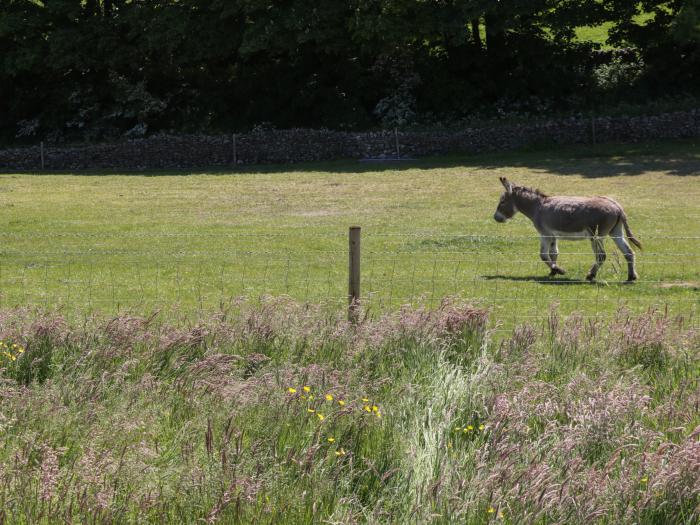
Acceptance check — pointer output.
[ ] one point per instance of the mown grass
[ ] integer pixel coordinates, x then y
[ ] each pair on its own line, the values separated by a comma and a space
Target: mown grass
285, 413
98, 242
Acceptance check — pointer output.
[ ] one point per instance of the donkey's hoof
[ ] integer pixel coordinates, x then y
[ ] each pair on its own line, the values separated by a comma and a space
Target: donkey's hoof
632, 278
590, 277
556, 271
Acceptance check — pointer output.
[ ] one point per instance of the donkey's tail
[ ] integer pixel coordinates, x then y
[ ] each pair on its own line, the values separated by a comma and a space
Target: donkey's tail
628, 232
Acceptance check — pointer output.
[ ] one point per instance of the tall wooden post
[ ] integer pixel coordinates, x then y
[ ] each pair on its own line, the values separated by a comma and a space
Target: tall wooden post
354, 275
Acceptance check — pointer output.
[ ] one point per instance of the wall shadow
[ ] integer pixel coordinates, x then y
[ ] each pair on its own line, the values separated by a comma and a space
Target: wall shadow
678, 158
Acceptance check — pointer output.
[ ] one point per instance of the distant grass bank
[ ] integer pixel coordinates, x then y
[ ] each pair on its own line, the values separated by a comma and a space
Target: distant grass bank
97, 242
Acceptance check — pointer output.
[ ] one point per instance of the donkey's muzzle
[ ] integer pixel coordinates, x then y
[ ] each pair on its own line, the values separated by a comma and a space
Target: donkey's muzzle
499, 217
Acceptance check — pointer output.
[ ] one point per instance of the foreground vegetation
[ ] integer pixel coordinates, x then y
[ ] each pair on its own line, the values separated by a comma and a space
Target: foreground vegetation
286, 413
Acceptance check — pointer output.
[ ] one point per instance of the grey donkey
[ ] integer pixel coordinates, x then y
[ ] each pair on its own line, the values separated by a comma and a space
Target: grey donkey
570, 218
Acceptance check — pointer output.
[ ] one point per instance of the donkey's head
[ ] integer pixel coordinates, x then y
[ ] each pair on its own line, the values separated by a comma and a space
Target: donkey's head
506, 206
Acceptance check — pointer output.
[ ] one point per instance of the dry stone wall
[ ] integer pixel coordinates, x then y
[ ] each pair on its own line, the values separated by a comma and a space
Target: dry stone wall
302, 145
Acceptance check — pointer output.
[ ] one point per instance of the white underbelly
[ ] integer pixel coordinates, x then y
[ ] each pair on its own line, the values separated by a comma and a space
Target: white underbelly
572, 236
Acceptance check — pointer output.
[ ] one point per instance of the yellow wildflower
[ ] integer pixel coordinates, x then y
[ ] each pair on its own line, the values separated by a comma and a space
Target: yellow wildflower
366, 408
307, 389
375, 408
20, 350
365, 400
340, 452
331, 440
341, 402
491, 510
644, 479
292, 390
329, 397
470, 428
311, 410
501, 515
321, 417
481, 427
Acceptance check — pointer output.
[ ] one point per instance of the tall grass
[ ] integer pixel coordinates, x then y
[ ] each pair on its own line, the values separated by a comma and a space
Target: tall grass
284, 412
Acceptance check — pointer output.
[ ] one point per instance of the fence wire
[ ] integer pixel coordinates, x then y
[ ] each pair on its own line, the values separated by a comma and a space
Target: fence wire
143, 271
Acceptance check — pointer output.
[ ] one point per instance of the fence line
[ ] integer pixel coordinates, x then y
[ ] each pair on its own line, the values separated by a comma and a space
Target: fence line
504, 279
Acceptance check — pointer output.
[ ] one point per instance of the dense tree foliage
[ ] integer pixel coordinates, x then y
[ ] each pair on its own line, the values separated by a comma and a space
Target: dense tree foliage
100, 68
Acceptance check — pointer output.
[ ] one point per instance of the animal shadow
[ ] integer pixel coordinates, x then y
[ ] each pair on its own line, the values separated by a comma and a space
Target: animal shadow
557, 280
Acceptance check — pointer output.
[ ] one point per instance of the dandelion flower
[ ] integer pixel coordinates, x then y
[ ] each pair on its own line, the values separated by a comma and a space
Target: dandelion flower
490, 510
20, 350
307, 389
310, 410
331, 440
470, 428
481, 427
292, 390
365, 400
644, 479
340, 452
366, 408
341, 402
329, 397
378, 414
375, 408
321, 417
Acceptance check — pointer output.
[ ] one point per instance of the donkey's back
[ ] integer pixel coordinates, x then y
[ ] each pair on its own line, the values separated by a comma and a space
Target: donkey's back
581, 216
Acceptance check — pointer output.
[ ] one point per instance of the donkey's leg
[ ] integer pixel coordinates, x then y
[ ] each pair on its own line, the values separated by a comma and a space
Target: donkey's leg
553, 254
618, 237
599, 251
545, 242
544, 251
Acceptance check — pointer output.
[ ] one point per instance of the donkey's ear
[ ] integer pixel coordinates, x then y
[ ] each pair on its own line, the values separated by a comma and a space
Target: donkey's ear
506, 184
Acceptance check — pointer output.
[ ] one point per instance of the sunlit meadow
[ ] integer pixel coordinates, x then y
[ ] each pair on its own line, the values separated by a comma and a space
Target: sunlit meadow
175, 348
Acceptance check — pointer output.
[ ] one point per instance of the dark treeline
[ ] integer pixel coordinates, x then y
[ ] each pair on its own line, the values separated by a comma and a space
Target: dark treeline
92, 69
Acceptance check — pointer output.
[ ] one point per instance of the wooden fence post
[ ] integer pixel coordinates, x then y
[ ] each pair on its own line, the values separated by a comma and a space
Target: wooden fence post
396, 140
354, 275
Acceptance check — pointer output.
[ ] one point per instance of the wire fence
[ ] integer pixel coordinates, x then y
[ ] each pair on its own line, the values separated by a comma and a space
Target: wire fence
199, 272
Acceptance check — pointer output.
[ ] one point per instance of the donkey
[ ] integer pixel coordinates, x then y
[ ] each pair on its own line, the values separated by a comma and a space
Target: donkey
570, 218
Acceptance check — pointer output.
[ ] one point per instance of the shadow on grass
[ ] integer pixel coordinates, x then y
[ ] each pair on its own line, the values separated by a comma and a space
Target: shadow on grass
676, 157
558, 280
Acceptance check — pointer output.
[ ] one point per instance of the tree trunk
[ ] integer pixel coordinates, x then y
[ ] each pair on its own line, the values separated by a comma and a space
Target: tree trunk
476, 34
495, 35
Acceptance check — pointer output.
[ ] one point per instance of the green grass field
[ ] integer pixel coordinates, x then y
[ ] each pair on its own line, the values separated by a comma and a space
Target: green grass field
191, 242
278, 410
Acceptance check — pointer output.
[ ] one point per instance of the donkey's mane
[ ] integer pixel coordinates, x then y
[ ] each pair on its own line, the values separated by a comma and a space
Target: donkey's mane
525, 189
